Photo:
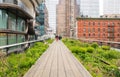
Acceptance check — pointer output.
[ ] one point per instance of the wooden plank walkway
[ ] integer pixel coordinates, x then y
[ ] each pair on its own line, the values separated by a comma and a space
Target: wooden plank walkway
57, 61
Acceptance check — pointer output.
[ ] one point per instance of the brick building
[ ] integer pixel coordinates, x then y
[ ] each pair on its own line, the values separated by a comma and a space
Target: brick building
105, 29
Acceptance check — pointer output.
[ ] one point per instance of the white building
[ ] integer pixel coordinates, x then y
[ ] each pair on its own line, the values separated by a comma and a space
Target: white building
111, 7
89, 8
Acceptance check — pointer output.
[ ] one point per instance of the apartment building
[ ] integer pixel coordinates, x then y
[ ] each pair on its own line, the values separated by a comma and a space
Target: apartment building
104, 29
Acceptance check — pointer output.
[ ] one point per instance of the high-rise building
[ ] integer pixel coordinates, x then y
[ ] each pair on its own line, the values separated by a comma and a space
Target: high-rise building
89, 8
67, 11
111, 7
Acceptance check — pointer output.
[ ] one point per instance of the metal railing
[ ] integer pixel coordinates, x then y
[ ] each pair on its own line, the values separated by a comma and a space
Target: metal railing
18, 44
101, 42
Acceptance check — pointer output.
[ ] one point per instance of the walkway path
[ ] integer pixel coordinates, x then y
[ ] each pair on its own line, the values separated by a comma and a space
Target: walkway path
57, 61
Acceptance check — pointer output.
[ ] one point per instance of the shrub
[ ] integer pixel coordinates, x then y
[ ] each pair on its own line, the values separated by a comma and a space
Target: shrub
86, 45
77, 49
90, 49
94, 45
82, 50
105, 47
117, 72
111, 54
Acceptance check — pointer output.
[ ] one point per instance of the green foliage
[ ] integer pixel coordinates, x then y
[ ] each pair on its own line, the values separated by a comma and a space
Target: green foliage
111, 54
93, 57
90, 49
50, 40
105, 47
94, 45
17, 64
116, 72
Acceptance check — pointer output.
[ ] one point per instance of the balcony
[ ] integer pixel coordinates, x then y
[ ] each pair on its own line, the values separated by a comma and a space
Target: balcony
15, 9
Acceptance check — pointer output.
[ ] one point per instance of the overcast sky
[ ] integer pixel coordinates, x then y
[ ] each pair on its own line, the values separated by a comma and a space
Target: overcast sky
51, 5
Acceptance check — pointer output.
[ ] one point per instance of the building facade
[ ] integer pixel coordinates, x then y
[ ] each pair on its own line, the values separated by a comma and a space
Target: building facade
103, 29
89, 8
67, 11
16, 22
111, 7
42, 19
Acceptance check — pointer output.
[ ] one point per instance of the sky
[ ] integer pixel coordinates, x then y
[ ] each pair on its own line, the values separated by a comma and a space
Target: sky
51, 5
101, 7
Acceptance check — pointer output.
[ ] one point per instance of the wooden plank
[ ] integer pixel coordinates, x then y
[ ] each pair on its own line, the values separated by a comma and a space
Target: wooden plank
45, 67
61, 67
54, 69
68, 69
80, 67
58, 61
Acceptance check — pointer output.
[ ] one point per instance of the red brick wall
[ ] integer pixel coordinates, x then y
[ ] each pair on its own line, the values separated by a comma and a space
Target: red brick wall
90, 31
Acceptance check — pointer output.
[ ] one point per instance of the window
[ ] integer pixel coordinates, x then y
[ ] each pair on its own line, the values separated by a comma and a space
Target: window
84, 35
98, 23
98, 34
108, 23
89, 23
89, 30
93, 23
12, 22
93, 34
3, 19
11, 38
103, 34
98, 29
113, 24
21, 25
89, 35
118, 24
20, 38
3, 39
118, 35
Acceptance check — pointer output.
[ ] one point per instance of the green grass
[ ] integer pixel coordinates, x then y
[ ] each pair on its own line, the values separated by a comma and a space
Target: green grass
16, 65
99, 61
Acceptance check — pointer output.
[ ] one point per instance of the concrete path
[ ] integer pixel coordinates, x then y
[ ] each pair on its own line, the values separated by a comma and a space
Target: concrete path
57, 61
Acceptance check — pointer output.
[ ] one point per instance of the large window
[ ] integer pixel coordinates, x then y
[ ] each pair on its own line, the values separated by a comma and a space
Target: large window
20, 38
3, 19
11, 38
21, 24
3, 39
12, 22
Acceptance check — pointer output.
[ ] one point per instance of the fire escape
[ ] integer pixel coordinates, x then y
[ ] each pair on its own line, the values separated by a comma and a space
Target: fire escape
111, 32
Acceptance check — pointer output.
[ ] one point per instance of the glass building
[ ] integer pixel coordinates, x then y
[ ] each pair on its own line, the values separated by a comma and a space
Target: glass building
41, 19
89, 8
111, 7
15, 23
